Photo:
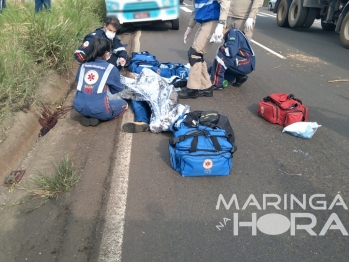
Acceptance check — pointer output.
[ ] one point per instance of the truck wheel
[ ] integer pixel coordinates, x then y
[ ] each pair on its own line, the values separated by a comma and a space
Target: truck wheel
310, 18
344, 35
327, 26
297, 14
175, 24
282, 13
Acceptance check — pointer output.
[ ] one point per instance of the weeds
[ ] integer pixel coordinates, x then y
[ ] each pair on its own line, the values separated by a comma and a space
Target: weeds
34, 44
46, 187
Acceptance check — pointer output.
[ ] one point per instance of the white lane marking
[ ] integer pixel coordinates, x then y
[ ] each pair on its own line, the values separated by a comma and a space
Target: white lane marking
268, 49
186, 9
113, 231
265, 14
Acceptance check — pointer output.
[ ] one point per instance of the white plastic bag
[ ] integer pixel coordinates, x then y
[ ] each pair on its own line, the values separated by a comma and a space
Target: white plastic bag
302, 129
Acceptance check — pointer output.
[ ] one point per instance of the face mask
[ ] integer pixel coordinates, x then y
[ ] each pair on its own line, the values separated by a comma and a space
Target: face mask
110, 35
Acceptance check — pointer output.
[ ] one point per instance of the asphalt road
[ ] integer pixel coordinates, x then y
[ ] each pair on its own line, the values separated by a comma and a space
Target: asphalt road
171, 218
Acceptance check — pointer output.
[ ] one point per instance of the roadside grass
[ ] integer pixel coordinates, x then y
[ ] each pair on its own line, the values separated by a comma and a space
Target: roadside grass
35, 45
50, 186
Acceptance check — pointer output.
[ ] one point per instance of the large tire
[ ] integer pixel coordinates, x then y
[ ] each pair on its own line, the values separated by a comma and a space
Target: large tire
282, 13
297, 14
175, 24
310, 17
327, 27
344, 35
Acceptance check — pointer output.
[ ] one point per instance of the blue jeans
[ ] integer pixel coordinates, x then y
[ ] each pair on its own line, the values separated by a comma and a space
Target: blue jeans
42, 3
3, 4
141, 110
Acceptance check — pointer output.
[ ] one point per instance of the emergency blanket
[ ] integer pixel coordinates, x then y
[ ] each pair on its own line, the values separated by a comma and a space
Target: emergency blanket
162, 99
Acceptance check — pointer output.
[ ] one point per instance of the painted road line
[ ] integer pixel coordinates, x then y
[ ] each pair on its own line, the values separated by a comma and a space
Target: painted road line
186, 9
113, 231
265, 14
268, 49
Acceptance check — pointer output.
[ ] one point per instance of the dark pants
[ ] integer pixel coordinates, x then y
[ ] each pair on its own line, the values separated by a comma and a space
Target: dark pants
2, 4
39, 4
141, 110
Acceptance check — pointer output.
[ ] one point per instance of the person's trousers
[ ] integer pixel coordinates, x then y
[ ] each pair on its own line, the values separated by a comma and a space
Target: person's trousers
39, 4
198, 75
239, 24
142, 111
2, 4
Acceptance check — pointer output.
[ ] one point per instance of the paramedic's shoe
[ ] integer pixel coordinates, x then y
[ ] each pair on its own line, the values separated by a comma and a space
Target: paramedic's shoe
89, 121
240, 79
220, 88
194, 93
135, 127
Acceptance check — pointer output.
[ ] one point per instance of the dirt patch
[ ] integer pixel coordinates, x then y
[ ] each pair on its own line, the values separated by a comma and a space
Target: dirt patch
305, 58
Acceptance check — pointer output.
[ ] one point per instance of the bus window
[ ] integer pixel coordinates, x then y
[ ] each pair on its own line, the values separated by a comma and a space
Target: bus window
144, 11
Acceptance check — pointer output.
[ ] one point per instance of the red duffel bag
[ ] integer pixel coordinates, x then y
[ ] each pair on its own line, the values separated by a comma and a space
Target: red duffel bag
282, 109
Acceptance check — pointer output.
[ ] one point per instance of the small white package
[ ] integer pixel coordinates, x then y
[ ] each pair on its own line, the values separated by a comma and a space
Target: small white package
302, 129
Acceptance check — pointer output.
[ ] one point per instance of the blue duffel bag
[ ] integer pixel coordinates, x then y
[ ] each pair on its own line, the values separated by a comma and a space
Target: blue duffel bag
140, 60
200, 150
173, 69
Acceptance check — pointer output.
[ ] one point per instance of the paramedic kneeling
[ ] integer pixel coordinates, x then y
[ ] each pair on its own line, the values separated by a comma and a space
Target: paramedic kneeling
98, 82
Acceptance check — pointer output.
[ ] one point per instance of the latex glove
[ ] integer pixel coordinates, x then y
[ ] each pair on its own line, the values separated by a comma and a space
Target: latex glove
219, 31
187, 34
122, 61
249, 24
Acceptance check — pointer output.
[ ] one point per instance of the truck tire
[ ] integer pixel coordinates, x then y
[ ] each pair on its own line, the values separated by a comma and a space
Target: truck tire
282, 13
175, 24
327, 26
297, 14
344, 34
310, 17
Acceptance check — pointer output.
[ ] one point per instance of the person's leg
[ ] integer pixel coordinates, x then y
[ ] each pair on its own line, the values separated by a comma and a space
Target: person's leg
199, 83
47, 4
218, 70
142, 113
38, 5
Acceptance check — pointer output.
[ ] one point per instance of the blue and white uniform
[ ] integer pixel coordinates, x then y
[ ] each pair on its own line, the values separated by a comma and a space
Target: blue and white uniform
206, 10
118, 48
235, 57
94, 80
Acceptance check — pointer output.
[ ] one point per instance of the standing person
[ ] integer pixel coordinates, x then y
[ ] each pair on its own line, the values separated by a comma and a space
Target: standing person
242, 15
42, 3
98, 82
107, 31
211, 17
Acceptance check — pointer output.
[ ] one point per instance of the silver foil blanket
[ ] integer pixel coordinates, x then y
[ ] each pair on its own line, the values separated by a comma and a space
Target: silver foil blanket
163, 100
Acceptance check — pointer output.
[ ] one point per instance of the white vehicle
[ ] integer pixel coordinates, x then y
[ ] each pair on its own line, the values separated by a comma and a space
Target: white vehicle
271, 5
334, 15
145, 11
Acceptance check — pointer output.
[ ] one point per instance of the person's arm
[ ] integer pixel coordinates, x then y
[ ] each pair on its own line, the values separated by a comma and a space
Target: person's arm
225, 4
192, 21
119, 48
114, 82
256, 4
85, 50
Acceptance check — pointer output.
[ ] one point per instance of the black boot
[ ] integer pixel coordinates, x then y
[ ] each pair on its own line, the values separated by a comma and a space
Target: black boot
194, 93
240, 79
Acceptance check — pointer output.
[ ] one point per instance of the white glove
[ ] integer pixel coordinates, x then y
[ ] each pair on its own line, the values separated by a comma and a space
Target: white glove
122, 61
219, 31
187, 34
249, 24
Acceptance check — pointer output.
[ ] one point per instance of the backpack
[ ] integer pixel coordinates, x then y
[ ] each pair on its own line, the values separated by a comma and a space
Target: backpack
282, 109
199, 150
140, 60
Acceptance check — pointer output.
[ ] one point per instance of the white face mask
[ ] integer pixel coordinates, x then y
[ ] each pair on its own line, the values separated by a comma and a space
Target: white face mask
109, 34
